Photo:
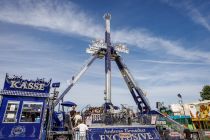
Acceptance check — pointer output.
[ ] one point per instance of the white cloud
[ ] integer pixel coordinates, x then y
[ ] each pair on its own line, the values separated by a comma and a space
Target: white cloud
173, 62
67, 18
60, 16
169, 74
199, 18
29, 56
192, 11
153, 43
189, 92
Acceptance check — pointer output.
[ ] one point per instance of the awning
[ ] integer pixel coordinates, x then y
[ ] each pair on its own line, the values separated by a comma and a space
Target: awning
68, 104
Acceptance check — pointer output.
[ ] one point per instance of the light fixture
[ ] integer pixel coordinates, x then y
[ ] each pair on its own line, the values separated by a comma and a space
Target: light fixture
121, 48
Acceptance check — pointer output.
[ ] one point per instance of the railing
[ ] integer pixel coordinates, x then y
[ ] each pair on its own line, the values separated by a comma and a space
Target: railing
121, 118
170, 129
79, 135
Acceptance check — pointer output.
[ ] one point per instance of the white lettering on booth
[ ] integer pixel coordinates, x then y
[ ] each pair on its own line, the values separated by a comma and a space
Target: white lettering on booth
26, 85
134, 136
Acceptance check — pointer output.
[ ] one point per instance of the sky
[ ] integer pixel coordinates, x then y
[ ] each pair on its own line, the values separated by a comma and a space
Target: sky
168, 42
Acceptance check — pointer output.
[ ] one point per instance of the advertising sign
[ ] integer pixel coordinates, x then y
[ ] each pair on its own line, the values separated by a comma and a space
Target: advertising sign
18, 84
200, 110
123, 133
96, 118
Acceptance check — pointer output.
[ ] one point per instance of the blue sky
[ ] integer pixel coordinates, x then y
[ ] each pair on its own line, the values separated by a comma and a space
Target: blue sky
168, 43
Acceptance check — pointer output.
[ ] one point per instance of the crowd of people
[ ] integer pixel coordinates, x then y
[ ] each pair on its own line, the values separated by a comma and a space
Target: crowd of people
80, 122
98, 115
94, 110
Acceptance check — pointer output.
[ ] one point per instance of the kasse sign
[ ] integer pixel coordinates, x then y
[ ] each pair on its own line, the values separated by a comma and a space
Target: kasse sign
19, 84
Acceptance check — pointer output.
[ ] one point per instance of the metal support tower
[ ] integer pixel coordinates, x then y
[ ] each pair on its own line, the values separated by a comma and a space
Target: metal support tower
107, 18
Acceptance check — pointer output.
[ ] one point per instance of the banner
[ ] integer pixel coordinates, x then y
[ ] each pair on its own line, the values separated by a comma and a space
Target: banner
123, 133
200, 110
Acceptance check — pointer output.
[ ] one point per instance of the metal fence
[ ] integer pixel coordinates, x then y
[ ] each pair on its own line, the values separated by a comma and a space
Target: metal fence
79, 135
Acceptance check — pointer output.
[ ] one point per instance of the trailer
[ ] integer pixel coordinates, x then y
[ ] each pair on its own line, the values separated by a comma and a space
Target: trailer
23, 106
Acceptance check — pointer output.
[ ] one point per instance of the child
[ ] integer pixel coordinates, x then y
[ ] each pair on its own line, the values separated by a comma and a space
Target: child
82, 130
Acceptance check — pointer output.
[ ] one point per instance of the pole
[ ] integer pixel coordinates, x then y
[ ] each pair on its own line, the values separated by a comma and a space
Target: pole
107, 18
49, 125
51, 110
182, 104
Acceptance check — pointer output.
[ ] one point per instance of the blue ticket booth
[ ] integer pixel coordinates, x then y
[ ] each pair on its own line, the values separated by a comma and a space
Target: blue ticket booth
23, 108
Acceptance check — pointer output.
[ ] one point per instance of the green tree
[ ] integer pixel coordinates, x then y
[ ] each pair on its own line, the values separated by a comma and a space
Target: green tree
205, 93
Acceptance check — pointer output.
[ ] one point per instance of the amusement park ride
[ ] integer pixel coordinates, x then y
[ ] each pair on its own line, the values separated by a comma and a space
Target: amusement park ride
101, 49
22, 96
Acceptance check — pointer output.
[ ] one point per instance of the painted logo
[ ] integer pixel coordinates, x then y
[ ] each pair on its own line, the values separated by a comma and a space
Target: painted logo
18, 131
125, 135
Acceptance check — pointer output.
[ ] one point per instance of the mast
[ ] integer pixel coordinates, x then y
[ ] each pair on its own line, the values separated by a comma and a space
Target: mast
107, 18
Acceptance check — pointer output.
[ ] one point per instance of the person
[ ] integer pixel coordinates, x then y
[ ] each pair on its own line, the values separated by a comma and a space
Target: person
130, 115
82, 127
27, 118
72, 114
88, 120
166, 133
77, 117
187, 134
33, 116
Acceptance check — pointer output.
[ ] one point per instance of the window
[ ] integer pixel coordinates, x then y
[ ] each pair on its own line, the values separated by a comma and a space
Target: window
11, 111
31, 112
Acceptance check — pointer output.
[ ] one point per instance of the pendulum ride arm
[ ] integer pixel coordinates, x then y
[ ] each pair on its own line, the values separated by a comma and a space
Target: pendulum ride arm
76, 78
136, 92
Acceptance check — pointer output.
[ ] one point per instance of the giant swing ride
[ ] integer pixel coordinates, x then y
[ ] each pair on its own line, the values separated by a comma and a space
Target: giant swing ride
105, 49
